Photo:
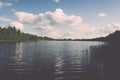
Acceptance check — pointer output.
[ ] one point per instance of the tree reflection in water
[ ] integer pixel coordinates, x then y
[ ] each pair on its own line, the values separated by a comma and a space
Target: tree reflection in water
63, 61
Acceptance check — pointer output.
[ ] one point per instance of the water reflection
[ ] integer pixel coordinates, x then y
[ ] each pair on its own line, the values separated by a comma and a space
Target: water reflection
6, 51
59, 65
17, 59
57, 60
17, 56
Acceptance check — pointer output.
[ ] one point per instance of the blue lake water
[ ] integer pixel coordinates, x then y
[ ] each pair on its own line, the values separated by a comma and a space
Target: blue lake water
51, 60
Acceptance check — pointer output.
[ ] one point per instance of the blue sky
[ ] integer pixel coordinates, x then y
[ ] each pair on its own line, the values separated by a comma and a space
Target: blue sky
62, 18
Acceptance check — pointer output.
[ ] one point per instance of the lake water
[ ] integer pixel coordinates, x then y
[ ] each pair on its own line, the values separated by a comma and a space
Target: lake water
54, 60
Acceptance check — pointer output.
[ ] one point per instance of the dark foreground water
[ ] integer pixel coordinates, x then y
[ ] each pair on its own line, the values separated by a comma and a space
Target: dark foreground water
59, 60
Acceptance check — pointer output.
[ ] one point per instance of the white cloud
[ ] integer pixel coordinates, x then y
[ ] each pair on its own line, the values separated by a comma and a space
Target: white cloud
25, 17
57, 1
102, 14
11, 22
57, 24
5, 19
2, 4
111, 28
50, 22
49, 18
18, 25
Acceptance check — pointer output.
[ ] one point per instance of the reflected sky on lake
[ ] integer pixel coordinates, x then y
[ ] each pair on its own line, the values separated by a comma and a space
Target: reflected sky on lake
50, 60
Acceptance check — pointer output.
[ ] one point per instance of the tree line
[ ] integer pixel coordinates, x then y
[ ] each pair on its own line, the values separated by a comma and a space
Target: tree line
113, 37
11, 33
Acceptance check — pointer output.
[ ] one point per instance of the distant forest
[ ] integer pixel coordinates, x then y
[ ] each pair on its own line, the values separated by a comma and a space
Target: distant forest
113, 37
12, 34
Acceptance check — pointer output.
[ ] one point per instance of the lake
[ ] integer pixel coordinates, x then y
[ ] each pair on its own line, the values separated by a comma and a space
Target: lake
59, 60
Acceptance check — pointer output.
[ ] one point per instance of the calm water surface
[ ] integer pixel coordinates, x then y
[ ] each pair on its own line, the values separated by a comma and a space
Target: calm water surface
51, 60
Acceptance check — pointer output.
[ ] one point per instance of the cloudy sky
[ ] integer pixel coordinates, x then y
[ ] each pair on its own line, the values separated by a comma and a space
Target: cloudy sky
62, 18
